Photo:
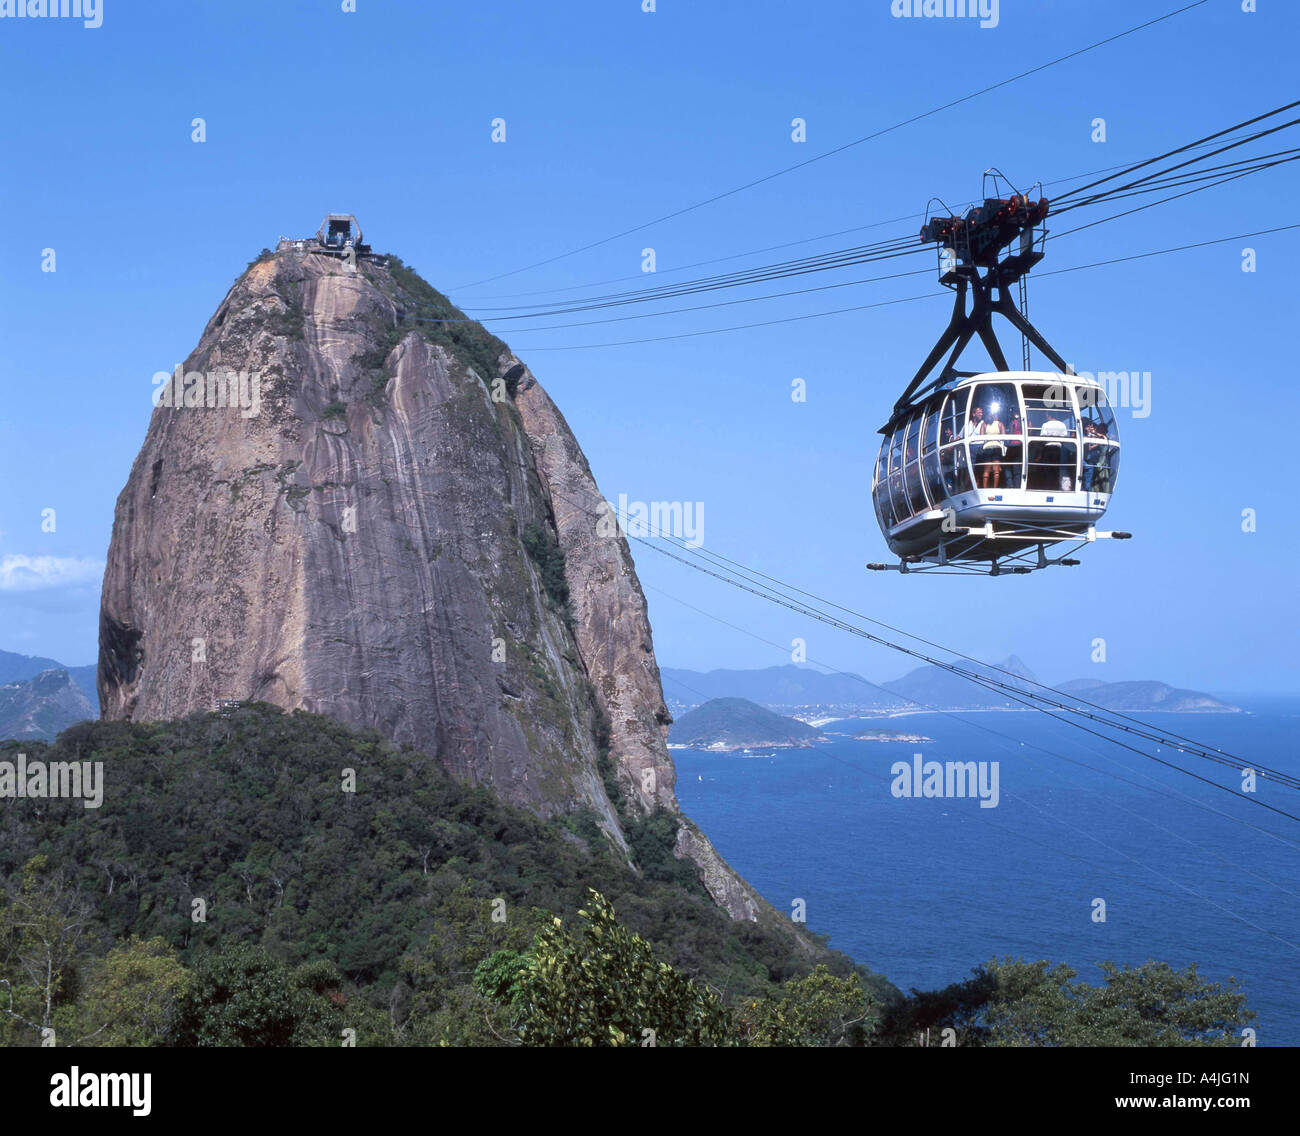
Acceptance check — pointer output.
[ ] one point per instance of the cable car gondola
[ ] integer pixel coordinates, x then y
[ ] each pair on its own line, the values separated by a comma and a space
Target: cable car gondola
993, 471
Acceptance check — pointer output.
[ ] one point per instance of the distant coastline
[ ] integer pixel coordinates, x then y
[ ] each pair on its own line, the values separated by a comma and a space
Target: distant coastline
819, 698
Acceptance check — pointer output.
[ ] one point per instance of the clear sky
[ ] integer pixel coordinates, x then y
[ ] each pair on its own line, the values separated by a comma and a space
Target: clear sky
615, 116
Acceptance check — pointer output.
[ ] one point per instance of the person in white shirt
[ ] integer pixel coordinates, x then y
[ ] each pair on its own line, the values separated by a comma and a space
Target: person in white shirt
1053, 427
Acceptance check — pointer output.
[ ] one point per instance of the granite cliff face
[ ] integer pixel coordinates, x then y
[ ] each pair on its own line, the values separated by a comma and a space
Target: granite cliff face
385, 519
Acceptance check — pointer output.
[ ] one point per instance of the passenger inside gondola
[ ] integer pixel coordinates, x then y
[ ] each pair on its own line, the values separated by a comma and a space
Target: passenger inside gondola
1056, 454
1091, 455
1096, 458
1013, 462
992, 450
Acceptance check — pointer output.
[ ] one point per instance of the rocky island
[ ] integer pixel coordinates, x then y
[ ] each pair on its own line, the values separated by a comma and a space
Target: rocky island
890, 736
730, 724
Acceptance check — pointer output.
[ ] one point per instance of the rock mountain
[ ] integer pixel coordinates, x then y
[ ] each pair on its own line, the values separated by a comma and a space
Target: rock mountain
42, 706
394, 526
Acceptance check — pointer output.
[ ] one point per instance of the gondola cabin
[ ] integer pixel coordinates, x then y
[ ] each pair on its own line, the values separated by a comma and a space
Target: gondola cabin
993, 471
993, 466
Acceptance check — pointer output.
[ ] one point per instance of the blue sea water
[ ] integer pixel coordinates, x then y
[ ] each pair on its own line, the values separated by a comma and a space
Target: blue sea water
922, 890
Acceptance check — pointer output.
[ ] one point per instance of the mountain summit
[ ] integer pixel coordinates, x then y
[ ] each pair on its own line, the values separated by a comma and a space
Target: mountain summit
354, 501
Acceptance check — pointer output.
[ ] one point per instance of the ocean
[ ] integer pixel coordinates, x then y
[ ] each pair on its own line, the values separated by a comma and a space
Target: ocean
923, 890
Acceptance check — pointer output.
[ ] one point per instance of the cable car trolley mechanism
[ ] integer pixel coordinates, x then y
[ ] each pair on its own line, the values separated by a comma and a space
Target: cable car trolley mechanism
1002, 471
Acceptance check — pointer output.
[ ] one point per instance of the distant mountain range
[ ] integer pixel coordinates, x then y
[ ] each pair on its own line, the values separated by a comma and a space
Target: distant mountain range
1149, 696
811, 695
39, 708
35, 704
40, 697
787, 687
15, 668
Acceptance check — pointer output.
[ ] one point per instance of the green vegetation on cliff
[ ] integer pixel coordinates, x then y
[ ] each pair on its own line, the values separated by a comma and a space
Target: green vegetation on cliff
440, 321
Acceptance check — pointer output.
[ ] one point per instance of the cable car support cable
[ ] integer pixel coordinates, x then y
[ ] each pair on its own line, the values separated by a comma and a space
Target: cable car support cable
846, 146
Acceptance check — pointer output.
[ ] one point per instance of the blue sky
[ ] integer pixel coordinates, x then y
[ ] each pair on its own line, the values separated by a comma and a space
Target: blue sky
615, 116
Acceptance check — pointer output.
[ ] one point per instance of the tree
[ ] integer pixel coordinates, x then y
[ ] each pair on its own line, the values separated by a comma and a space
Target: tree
818, 1010
601, 985
328, 1009
440, 999
241, 997
246, 997
1017, 1003
133, 995
43, 923
1148, 1005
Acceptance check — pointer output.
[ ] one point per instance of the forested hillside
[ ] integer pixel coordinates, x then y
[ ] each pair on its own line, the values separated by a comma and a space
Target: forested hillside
396, 878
